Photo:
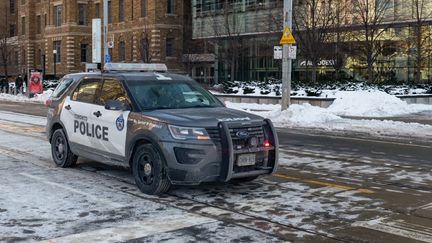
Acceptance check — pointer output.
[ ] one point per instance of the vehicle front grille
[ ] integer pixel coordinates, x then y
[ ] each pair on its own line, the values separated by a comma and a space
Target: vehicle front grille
238, 142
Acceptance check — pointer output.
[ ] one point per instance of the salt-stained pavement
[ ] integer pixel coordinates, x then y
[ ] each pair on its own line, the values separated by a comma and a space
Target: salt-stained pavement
317, 195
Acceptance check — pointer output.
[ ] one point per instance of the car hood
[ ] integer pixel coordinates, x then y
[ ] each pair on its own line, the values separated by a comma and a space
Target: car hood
201, 117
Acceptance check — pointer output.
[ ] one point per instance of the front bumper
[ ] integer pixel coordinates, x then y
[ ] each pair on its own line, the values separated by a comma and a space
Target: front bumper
217, 159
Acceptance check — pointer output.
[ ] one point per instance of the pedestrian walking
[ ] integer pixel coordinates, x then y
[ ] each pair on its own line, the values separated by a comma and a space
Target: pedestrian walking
18, 84
3, 85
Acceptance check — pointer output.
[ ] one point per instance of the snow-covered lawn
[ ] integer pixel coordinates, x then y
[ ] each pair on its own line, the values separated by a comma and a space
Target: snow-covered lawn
310, 90
347, 103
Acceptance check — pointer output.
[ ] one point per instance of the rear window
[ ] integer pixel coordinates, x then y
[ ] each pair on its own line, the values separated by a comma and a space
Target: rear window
61, 87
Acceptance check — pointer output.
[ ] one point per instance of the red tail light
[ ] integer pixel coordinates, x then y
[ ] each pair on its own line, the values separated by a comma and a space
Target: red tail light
48, 103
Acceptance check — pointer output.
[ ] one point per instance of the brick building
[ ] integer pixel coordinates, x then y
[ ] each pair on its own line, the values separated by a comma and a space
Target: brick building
142, 31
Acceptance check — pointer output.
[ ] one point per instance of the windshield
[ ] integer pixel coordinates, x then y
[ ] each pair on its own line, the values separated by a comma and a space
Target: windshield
153, 95
61, 87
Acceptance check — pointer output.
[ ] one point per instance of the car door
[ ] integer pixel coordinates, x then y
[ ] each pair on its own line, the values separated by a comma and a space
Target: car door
76, 109
114, 120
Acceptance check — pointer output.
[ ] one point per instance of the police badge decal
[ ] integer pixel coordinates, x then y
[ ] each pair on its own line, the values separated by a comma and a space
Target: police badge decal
120, 123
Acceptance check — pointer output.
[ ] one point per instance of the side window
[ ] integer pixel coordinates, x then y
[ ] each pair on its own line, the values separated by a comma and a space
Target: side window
86, 91
113, 90
61, 87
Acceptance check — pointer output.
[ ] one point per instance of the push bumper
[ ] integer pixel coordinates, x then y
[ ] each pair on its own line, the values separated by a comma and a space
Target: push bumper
216, 160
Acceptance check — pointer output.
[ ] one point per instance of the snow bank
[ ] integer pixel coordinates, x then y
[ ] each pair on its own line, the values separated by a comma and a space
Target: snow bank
304, 115
308, 116
372, 104
38, 98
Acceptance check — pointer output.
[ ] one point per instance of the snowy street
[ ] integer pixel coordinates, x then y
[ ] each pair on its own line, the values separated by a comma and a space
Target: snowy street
328, 188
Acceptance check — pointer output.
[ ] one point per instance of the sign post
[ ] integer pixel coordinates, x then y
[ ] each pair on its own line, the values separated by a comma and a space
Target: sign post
287, 40
105, 30
97, 41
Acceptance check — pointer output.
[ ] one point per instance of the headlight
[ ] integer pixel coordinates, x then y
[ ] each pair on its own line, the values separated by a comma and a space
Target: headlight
183, 133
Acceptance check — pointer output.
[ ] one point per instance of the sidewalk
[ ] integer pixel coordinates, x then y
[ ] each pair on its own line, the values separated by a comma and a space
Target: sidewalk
424, 118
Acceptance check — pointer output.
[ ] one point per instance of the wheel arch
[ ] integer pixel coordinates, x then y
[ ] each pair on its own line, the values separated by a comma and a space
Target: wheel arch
57, 125
143, 139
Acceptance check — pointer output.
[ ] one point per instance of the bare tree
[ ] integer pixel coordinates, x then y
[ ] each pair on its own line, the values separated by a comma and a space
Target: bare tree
422, 13
6, 45
227, 26
339, 36
313, 20
371, 16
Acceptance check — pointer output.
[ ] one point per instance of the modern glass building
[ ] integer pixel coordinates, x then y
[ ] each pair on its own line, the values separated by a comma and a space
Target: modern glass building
242, 34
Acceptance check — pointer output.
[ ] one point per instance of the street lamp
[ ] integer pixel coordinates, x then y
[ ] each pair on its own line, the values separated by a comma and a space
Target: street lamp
55, 62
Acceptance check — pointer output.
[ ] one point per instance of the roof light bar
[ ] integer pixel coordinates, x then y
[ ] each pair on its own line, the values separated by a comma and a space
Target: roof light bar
136, 67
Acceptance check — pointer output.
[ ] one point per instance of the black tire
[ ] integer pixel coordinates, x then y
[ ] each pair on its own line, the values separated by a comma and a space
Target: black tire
244, 179
149, 171
60, 150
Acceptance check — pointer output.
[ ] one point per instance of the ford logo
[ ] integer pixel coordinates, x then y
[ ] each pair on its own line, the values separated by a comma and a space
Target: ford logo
242, 134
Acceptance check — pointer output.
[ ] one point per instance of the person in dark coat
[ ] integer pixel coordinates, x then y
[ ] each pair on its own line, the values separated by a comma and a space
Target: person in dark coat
3, 85
19, 84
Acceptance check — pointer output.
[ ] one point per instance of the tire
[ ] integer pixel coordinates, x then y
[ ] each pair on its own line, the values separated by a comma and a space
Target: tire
244, 179
60, 150
149, 171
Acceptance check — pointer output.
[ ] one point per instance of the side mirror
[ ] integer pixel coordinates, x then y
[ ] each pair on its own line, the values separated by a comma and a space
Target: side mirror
115, 105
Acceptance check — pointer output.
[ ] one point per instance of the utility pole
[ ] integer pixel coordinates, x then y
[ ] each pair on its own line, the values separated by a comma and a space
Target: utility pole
286, 62
105, 32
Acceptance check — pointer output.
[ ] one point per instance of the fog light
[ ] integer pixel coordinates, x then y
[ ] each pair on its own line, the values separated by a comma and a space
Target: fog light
188, 156
267, 144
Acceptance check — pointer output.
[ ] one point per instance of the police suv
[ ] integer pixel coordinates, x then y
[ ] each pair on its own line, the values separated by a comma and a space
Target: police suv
166, 127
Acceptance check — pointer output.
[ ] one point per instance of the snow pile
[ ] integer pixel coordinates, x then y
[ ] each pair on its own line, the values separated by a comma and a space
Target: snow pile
376, 104
38, 98
372, 104
305, 115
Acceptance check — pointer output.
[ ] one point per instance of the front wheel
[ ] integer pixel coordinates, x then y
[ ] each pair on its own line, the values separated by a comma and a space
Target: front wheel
60, 150
148, 170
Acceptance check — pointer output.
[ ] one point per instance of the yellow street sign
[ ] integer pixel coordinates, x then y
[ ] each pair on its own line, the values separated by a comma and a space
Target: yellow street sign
287, 37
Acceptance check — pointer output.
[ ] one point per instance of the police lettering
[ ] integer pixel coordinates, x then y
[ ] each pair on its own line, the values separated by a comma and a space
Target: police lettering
91, 130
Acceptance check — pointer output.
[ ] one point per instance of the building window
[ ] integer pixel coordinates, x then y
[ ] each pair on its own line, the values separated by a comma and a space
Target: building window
57, 48
57, 15
170, 6
121, 10
145, 57
82, 14
109, 12
97, 10
45, 20
143, 8
110, 53
122, 51
169, 47
12, 4
84, 52
38, 24
12, 30
23, 27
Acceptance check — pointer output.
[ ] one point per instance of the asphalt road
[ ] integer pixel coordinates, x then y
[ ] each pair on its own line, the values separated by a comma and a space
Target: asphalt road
404, 151
328, 189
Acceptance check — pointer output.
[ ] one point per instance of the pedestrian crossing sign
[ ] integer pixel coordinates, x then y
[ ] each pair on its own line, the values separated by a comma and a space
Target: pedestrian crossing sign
287, 37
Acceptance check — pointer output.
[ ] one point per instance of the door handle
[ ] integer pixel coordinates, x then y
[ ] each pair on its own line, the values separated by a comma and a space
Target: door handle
97, 113
68, 107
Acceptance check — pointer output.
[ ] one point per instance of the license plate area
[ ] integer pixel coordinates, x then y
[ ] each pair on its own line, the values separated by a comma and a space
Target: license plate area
246, 159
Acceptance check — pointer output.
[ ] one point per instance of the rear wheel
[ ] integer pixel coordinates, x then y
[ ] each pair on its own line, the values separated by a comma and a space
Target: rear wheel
60, 150
148, 170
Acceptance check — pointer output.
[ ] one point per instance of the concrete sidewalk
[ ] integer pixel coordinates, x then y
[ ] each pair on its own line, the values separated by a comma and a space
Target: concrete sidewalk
424, 118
